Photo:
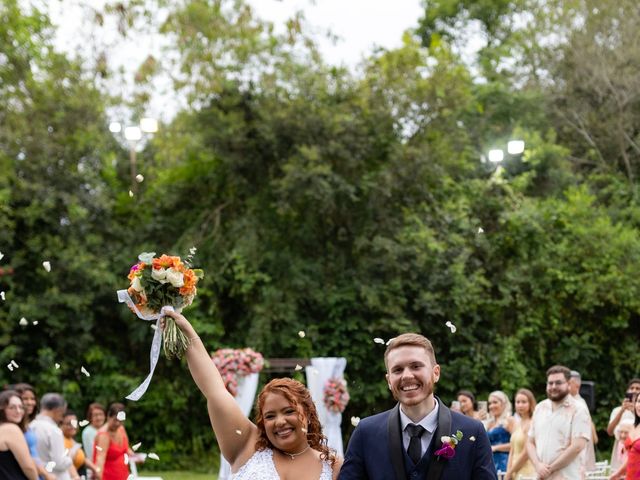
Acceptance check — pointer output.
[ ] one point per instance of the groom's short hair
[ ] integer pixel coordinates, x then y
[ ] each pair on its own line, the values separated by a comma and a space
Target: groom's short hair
410, 340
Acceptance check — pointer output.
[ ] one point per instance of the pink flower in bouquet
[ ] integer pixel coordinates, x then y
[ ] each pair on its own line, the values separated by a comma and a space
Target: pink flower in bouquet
336, 396
234, 363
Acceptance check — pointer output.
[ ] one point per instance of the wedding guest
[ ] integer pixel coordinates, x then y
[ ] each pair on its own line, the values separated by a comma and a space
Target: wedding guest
468, 405
499, 426
15, 461
69, 428
560, 429
621, 454
110, 446
30, 402
285, 442
519, 463
622, 413
630, 470
50, 439
96, 415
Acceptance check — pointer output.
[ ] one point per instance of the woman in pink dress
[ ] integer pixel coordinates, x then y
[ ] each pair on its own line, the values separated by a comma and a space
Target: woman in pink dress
631, 469
110, 446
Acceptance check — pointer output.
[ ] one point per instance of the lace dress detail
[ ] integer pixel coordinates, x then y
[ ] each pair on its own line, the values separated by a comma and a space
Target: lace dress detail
261, 466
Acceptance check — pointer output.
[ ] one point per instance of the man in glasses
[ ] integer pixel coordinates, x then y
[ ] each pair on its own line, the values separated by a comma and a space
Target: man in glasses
560, 429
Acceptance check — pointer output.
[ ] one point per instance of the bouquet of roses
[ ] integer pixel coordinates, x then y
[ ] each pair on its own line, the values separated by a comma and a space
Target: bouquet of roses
232, 362
160, 282
336, 396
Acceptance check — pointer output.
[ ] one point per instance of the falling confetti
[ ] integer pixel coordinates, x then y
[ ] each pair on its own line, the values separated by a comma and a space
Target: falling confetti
15, 365
121, 416
154, 326
139, 178
57, 365
301, 334
83, 423
130, 193
2, 296
480, 230
10, 367
193, 250
23, 322
74, 423
451, 326
355, 421
136, 446
473, 439
47, 266
153, 456
298, 368
1, 255
98, 448
50, 466
378, 340
35, 322
84, 370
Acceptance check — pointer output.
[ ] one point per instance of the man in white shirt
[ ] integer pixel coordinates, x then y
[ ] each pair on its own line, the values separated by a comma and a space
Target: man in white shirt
559, 430
50, 441
588, 454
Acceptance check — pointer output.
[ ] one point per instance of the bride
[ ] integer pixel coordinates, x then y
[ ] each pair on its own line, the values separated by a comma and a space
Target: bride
285, 443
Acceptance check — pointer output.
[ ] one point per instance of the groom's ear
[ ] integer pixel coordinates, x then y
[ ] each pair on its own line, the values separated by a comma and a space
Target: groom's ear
436, 373
386, 377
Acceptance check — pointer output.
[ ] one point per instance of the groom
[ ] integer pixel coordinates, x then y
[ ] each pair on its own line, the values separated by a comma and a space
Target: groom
406, 441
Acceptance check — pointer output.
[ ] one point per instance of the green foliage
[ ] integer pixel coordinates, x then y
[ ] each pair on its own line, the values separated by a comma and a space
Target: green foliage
347, 207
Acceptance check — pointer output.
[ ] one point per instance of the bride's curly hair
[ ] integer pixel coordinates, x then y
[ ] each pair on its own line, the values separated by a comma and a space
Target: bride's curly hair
300, 398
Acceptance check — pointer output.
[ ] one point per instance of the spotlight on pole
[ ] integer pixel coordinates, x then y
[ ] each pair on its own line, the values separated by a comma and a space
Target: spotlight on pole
496, 155
515, 147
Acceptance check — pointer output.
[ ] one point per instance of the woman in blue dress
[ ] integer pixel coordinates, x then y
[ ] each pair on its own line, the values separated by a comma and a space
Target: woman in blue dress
499, 425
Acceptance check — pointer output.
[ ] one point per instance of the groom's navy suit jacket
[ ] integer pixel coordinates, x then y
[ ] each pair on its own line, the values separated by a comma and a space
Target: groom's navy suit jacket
375, 450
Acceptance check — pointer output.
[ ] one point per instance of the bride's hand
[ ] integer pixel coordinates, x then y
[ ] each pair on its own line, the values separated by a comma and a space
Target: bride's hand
182, 323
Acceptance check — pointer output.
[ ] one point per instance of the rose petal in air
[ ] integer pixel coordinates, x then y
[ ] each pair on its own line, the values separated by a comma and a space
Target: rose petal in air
239, 432
35, 322
2, 296
98, 448
451, 326
74, 423
355, 421
136, 446
130, 193
84, 370
473, 439
57, 365
298, 368
139, 178
13, 362
378, 340
153, 456
1, 255
23, 322
47, 266
10, 367
83, 423
301, 334
480, 230
121, 416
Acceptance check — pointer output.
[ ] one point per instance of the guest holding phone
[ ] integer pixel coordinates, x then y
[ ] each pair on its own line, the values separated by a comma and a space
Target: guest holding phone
622, 414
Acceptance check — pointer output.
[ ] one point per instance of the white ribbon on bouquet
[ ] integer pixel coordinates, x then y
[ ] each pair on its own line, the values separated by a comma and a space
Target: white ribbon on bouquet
156, 343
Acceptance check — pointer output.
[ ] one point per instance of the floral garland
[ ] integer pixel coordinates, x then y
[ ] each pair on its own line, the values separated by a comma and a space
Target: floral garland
232, 362
336, 396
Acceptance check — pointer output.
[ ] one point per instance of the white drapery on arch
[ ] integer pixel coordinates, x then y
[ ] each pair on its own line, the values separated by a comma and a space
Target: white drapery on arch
247, 386
321, 370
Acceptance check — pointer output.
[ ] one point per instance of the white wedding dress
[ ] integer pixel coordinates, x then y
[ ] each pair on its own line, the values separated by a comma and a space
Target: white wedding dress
261, 466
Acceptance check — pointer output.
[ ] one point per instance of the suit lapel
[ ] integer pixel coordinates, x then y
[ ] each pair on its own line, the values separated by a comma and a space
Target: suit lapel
396, 450
436, 465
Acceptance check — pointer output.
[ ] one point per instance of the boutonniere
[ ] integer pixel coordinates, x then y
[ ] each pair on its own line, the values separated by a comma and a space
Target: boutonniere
449, 443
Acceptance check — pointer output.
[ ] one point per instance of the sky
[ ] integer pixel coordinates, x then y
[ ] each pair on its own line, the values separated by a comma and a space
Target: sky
360, 25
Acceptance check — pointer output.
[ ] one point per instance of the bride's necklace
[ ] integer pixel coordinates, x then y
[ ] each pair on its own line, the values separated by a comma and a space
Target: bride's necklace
294, 455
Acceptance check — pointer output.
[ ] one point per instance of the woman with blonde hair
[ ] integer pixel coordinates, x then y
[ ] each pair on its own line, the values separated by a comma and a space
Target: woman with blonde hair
499, 425
285, 442
519, 463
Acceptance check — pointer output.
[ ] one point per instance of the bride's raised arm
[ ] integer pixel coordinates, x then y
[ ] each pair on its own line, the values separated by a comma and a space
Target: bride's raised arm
235, 433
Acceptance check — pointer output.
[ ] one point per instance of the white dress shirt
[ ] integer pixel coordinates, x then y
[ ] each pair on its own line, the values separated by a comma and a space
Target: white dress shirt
50, 444
429, 423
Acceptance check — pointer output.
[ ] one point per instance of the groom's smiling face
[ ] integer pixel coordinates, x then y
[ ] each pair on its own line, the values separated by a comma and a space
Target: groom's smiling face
411, 375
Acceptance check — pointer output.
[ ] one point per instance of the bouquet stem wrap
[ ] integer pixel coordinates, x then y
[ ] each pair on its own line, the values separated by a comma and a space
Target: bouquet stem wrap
154, 354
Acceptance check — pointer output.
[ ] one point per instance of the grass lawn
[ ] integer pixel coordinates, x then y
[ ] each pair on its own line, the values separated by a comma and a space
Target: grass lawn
176, 475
